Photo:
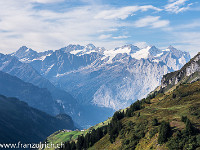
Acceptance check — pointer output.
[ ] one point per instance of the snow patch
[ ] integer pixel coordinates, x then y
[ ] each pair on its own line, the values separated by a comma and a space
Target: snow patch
158, 55
143, 53
25, 60
156, 60
76, 52
47, 71
182, 60
41, 58
112, 53
166, 50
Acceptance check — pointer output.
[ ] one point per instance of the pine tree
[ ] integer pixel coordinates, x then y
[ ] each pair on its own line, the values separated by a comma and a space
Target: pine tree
73, 145
164, 132
67, 145
189, 127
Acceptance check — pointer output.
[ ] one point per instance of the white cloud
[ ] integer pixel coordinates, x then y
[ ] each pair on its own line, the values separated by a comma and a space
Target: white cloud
177, 6
109, 30
47, 1
121, 37
41, 29
192, 25
21, 24
151, 21
105, 36
124, 12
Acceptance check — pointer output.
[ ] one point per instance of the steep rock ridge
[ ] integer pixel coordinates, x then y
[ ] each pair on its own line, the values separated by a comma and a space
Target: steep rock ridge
188, 73
133, 83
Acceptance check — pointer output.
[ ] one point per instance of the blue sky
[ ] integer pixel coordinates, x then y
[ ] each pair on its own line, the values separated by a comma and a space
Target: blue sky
52, 24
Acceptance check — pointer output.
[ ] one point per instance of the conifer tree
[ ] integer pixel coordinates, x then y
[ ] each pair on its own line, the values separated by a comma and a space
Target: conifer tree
164, 132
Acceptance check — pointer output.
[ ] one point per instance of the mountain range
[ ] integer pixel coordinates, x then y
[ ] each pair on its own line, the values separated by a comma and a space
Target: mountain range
106, 78
99, 80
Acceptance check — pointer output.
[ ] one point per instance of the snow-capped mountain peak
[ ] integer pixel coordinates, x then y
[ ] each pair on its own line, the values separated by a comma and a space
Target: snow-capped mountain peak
82, 50
22, 50
24, 53
72, 47
142, 53
131, 47
134, 52
90, 46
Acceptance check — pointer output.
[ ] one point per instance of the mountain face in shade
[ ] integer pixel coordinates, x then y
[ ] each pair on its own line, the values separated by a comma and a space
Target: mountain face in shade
36, 97
27, 73
20, 122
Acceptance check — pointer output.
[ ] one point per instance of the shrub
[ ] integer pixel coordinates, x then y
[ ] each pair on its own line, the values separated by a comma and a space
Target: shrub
154, 122
174, 96
184, 119
153, 132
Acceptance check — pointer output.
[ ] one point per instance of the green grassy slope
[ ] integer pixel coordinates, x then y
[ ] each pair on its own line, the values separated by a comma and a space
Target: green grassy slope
138, 131
60, 136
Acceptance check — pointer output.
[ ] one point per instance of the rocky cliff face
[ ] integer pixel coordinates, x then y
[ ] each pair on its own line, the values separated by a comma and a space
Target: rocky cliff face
188, 73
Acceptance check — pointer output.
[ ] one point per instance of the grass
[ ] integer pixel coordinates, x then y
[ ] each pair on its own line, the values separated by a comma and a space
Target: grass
61, 137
